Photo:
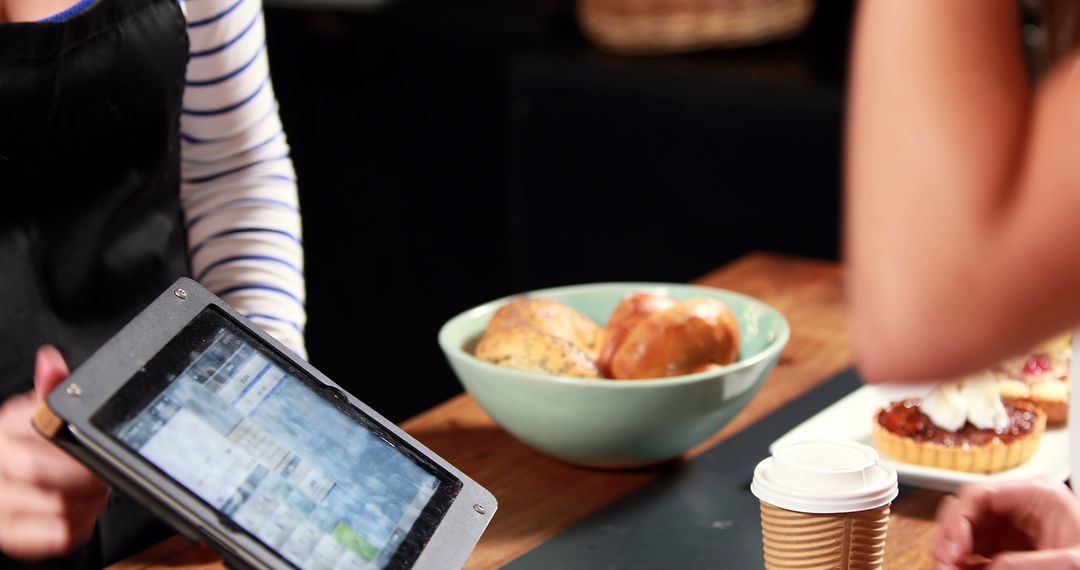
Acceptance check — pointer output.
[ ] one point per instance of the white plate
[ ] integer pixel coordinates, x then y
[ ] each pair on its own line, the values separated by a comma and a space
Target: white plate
850, 418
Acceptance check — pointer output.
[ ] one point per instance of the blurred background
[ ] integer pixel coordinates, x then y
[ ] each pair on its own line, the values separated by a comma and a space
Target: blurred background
454, 151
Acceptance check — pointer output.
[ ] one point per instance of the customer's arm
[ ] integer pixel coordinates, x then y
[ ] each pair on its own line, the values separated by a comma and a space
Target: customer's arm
963, 198
238, 189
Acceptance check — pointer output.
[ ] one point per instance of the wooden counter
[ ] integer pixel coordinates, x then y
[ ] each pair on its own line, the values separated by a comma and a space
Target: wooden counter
539, 497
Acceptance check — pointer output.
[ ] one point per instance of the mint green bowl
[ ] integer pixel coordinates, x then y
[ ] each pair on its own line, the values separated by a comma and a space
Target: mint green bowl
617, 423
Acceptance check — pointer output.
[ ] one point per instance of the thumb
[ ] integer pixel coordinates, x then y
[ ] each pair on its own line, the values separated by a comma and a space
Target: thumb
1060, 559
50, 370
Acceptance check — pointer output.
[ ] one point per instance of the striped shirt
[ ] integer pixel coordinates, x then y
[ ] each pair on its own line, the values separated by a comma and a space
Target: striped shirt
238, 189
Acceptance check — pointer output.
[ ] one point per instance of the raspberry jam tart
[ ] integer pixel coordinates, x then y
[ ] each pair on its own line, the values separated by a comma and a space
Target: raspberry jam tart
903, 432
1041, 378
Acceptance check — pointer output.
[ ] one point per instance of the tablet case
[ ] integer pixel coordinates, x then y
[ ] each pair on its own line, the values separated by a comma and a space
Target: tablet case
52, 426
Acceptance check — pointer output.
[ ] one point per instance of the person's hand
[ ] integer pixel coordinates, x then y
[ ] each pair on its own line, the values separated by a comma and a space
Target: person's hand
1016, 524
49, 502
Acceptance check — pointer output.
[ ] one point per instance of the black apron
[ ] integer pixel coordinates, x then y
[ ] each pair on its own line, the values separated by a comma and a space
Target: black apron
90, 222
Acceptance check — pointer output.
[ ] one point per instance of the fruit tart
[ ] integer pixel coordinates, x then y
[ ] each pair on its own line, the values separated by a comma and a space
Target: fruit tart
1040, 377
963, 426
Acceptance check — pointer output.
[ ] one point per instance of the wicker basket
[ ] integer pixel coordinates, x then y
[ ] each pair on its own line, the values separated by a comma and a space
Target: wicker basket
668, 26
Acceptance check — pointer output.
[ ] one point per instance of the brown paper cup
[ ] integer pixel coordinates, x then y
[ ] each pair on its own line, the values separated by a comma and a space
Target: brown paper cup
841, 541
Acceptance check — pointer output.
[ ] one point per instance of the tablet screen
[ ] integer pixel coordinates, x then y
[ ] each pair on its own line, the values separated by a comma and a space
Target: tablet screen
281, 455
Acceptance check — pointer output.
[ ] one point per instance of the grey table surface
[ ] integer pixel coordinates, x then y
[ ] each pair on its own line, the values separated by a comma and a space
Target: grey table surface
697, 514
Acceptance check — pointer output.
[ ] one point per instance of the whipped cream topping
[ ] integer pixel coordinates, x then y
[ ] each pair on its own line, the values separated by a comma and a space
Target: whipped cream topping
974, 399
946, 406
985, 408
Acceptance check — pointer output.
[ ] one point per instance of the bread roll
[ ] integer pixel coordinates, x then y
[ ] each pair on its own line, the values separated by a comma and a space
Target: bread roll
630, 311
550, 317
541, 335
682, 339
526, 347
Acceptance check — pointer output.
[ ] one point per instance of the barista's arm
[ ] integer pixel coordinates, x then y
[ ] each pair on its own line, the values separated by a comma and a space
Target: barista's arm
239, 189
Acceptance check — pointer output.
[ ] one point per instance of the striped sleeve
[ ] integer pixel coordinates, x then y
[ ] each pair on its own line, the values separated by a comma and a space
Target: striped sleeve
238, 188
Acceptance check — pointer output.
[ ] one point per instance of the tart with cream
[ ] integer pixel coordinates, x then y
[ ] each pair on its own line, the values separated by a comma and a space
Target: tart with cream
1041, 377
963, 426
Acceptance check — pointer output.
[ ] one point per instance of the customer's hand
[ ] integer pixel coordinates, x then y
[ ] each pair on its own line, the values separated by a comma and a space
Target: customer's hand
1017, 524
49, 503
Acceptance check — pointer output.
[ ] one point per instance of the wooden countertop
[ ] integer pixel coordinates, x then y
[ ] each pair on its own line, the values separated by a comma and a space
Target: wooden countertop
539, 497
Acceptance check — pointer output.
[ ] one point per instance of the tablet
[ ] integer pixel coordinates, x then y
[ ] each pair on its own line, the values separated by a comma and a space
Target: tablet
227, 435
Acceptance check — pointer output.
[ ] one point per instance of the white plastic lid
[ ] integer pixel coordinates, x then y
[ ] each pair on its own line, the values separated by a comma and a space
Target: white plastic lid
825, 477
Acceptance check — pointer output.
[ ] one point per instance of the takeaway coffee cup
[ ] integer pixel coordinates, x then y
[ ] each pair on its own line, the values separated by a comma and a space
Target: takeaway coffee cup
824, 505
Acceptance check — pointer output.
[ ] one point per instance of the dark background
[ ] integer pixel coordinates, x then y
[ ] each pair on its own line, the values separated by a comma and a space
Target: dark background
454, 151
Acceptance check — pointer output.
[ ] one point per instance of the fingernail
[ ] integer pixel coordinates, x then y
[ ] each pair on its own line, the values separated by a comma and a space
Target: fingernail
952, 549
952, 555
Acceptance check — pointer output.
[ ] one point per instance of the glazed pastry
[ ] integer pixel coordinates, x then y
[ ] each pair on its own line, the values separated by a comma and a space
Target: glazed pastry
971, 429
1041, 378
682, 339
630, 311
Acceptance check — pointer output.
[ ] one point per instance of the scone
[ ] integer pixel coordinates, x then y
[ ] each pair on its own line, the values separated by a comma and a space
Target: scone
904, 433
1041, 377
